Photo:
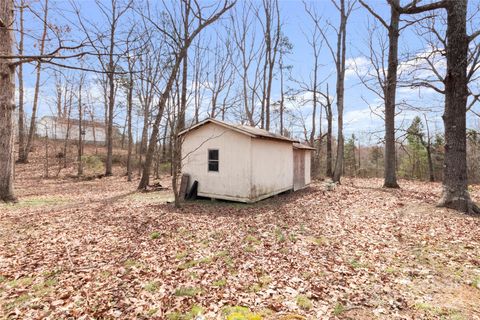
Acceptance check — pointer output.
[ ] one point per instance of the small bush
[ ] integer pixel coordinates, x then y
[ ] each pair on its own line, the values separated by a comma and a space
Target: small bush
93, 163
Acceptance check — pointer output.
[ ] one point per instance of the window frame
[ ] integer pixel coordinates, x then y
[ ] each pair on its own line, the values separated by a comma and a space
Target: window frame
217, 161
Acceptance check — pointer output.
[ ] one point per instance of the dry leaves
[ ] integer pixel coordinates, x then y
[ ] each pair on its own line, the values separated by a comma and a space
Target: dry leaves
95, 249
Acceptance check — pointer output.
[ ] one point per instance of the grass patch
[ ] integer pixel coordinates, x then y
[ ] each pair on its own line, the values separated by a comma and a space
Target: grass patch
181, 255
339, 309
304, 303
240, 313
190, 315
476, 283
355, 264
130, 263
154, 235
35, 202
251, 239
320, 241
279, 235
220, 283
151, 286
21, 282
187, 292
192, 263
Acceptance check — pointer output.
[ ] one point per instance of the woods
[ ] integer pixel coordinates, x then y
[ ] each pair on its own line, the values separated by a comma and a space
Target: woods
309, 111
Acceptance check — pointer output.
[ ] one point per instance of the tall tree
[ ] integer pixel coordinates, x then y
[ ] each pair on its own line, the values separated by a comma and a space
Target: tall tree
105, 44
339, 56
23, 155
181, 43
7, 102
455, 183
21, 93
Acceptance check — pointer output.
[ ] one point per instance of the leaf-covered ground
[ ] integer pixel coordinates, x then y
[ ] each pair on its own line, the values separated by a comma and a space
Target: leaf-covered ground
98, 250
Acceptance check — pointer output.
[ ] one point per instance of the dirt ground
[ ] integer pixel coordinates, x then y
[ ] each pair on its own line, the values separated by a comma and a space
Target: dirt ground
98, 250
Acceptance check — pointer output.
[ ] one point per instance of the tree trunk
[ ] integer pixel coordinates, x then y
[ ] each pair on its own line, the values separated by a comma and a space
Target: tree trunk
455, 185
129, 123
7, 104
21, 113
390, 176
24, 155
80, 128
111, 96
340, 64
329, 115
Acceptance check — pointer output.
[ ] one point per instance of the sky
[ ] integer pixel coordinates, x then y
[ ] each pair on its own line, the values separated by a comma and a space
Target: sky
359, 101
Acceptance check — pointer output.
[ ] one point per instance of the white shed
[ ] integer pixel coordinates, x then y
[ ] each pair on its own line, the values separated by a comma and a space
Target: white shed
242, 163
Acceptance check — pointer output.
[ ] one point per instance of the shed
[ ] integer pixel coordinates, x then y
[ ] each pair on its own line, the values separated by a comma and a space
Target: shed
242, 163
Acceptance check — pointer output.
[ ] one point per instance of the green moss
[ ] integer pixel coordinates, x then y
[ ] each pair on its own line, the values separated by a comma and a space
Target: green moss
304, 303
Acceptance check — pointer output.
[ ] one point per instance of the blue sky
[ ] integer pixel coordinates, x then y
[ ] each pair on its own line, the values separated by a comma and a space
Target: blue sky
358, 116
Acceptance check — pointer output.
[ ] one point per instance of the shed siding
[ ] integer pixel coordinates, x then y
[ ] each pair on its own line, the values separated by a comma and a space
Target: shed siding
308, 160
272, 163
232, 181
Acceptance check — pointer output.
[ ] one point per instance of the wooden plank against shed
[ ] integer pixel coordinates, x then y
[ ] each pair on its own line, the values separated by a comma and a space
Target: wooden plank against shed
184, 185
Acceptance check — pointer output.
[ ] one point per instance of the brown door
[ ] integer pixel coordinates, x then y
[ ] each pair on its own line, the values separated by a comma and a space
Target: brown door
298, 169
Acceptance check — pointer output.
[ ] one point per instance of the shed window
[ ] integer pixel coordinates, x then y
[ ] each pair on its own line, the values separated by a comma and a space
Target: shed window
213, 160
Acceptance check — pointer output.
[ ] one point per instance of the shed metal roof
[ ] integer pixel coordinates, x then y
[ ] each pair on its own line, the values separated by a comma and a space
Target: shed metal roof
247, 130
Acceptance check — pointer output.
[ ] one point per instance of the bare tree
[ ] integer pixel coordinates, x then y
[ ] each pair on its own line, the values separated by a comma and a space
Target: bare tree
21, 93
338, 54
270, 21
455, 192
23, 155
248, 60
106, 45
180, 43
7, 102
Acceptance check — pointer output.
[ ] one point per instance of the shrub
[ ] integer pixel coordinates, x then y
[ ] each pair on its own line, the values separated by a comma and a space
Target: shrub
93, 163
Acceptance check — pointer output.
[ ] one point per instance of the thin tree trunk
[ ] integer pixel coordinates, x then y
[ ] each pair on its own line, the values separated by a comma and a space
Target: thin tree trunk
340, 62
24, 156
21, 94
329, 115
80, 128
129, 123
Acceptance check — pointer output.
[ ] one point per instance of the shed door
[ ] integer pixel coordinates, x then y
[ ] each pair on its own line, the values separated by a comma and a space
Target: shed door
298, 169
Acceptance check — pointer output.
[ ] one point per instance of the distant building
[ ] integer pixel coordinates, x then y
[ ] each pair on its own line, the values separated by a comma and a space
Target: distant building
60, 128
242, 163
